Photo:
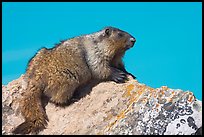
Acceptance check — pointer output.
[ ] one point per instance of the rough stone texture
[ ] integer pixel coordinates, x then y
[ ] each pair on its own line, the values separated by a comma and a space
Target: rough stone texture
110, 108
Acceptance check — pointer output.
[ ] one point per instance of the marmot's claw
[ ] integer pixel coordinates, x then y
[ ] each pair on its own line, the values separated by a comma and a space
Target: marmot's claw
123, 69
119, 76
133, 76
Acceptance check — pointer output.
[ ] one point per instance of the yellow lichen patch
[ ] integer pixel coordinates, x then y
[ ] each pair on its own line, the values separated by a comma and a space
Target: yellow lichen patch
121, 115
110, 125
130, 87
140, 86
133, 98
128, 90
140, 91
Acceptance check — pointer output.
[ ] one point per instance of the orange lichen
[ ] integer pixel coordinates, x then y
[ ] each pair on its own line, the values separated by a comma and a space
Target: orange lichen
162, 92
128, 90
111, 124
133, 98
190, 93
190, 98
121, 115
130, 87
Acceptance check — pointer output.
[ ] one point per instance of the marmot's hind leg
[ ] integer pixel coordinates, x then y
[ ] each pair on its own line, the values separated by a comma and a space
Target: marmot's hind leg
62, 91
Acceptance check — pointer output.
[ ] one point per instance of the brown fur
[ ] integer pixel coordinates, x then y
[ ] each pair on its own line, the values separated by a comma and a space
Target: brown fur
59, 71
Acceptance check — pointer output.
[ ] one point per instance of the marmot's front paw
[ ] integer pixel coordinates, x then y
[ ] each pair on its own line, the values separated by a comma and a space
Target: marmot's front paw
118, 76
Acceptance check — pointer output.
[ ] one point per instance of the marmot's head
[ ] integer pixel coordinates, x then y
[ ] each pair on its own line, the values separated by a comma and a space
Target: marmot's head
115, 40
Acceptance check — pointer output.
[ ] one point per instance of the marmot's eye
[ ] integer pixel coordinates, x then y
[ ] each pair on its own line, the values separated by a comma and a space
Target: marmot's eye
107, 31
120, 34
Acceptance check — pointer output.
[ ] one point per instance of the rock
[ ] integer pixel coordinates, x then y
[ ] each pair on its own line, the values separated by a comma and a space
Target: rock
131, 108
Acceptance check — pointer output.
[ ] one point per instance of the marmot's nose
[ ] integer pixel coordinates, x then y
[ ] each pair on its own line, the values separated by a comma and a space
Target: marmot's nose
133, 40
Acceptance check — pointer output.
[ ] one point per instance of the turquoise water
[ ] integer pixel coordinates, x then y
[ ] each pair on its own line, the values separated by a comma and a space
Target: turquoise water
167, 51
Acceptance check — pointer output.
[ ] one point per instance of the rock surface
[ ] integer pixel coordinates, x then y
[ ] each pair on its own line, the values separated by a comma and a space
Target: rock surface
111, 108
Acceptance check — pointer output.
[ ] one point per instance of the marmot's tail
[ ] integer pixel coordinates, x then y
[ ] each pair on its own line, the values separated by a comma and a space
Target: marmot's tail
33, 112
29, 127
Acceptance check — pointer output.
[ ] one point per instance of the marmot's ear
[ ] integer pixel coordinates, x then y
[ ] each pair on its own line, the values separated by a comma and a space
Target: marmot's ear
107, 32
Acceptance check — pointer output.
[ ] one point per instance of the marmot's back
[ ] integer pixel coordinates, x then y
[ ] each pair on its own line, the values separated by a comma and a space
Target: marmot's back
67, 60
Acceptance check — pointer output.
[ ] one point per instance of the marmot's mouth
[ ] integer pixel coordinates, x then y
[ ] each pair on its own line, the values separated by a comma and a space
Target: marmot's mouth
129, 46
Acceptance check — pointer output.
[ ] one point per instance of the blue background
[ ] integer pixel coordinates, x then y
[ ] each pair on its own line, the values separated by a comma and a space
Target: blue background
168, 50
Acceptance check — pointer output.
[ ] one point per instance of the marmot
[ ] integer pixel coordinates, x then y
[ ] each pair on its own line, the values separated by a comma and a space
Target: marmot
57, 72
